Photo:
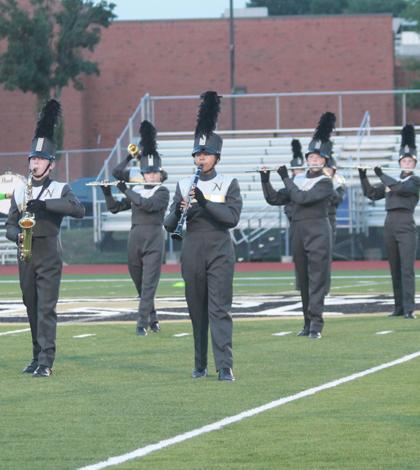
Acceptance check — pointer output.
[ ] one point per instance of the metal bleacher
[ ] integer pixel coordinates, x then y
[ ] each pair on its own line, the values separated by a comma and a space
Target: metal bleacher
8, 249
241, 155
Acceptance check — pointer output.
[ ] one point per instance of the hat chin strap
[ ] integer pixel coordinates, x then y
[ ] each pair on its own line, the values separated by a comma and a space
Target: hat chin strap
46, 169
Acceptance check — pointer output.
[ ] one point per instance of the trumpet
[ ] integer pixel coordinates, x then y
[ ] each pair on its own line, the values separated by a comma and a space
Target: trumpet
115, 183
177, 234
26, 223
133, 150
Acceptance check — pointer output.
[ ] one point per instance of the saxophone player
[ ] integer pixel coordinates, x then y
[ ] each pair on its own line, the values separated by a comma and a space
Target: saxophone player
40, 262
207, 256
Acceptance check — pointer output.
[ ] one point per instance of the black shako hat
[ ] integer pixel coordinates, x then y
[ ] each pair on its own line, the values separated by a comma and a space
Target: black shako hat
297, 159
43, 145
408, 142
150, 160
205, 139
320, 142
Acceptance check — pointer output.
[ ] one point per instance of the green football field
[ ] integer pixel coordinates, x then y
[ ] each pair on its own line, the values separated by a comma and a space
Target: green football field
120, 285
113, 393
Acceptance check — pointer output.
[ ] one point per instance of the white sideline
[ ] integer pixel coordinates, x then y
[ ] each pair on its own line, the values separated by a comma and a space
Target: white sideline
142, 451
14, 332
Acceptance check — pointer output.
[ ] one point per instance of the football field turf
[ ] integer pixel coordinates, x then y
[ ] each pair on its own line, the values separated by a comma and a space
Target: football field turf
113, 392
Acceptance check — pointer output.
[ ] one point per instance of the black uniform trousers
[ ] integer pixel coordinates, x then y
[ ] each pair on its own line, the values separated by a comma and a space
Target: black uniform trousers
207, 261
312, 257
40, 283
400, 237
145, 256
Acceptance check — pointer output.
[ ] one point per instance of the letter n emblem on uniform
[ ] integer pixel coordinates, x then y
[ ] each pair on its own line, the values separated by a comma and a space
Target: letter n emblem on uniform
218, 187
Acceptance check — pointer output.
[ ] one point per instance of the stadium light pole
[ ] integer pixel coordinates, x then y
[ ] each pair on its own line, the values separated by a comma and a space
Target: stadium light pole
232, 63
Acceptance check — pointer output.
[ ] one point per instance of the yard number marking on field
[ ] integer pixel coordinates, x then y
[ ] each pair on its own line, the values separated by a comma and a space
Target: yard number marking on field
142, 451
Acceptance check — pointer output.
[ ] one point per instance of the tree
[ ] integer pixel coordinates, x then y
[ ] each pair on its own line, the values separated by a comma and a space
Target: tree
330, 7
46, 41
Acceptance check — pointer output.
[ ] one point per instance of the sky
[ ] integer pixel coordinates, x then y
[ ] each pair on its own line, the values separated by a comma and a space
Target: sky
169, 9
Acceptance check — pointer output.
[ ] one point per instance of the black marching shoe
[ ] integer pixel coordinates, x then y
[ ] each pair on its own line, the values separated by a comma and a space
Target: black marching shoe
303, 332
155, 327
42, 371
395, 314
30, 368
314, 335
141, 331
409, 315
225, 373
198, 373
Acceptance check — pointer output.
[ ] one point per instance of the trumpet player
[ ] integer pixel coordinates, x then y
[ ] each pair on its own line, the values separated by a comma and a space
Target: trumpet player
311, 196
207, 256
148, 204
43, 202
400, 235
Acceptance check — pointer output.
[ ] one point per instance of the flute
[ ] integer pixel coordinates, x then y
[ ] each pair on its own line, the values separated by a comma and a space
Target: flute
268, 169
114, 183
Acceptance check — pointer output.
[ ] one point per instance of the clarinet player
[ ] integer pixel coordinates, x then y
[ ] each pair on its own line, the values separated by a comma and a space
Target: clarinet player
207, 256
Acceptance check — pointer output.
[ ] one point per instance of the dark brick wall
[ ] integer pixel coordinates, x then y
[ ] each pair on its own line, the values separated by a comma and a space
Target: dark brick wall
186, 57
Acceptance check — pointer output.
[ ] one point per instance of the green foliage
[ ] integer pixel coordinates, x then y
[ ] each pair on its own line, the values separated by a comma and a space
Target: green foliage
27, 63
331, 7
46, 41
412, 12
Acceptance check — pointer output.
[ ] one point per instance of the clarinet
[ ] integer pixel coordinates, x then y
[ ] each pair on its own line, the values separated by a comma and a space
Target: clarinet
177, 234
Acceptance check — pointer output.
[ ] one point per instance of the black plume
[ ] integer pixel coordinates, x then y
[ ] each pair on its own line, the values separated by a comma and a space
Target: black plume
408, 136
297, 149
325, 127
48, 119
207, 114
148, 138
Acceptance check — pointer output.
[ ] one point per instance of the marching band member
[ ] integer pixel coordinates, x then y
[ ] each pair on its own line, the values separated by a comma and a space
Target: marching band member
207, 256
400, 235
145, 240
40, 270
311, 196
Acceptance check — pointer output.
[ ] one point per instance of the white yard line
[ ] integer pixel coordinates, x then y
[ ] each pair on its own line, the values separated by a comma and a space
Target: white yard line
4, 333
142, 451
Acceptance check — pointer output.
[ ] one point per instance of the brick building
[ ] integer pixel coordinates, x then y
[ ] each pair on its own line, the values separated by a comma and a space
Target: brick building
186, 57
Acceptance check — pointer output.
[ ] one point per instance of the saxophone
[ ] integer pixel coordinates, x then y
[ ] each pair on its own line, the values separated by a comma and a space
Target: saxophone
26, 223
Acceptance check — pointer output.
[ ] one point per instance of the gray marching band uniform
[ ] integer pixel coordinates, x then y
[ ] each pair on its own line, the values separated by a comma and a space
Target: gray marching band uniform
311, 194
145, 240
207, 261
40, 277
400, 235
